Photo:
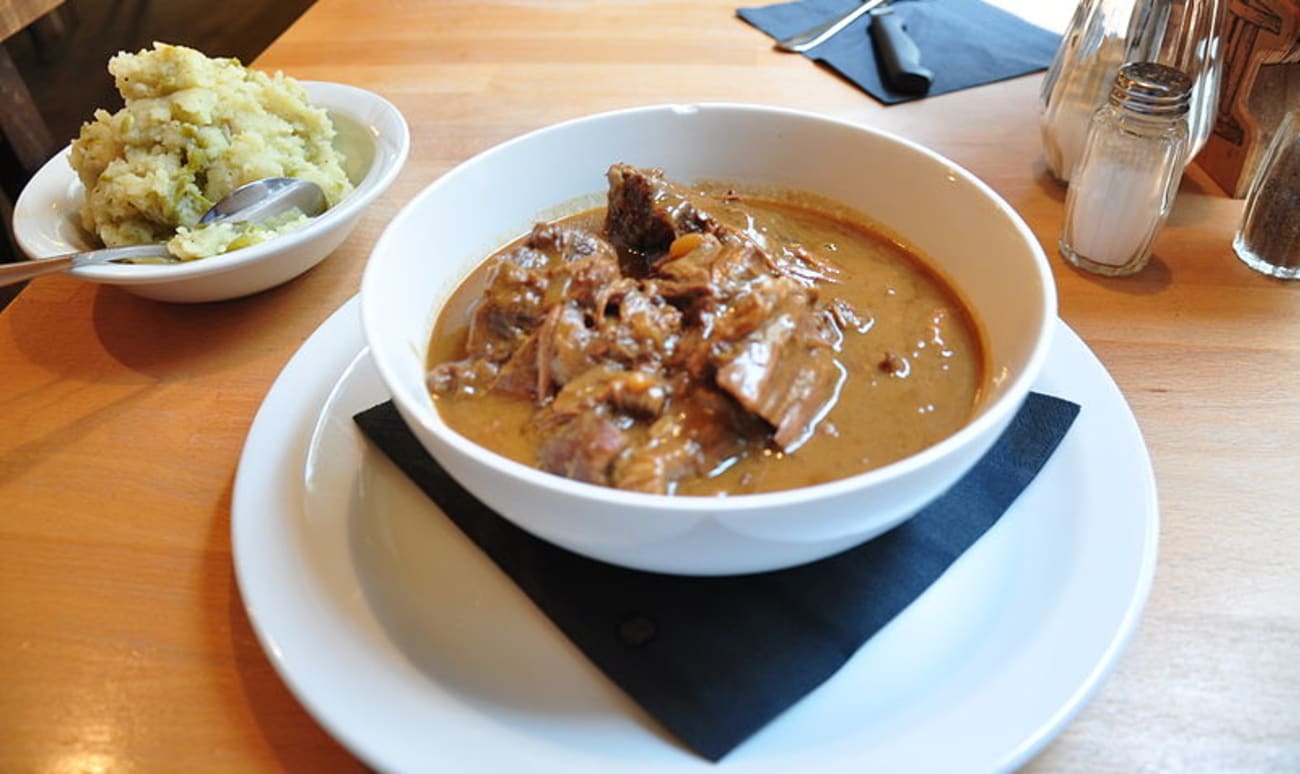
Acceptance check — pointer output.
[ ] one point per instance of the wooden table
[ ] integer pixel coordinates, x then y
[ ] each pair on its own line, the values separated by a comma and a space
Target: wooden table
123, 643
17, 14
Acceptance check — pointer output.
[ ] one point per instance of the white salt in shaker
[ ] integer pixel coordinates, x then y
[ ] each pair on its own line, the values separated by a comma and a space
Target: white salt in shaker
1083, 70
1125, 181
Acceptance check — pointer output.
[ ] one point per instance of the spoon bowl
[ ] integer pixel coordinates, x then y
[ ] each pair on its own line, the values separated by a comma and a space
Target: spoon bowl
266, 198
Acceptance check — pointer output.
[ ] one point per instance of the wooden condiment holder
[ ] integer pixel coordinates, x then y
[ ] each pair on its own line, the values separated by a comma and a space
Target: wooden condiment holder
1260, 83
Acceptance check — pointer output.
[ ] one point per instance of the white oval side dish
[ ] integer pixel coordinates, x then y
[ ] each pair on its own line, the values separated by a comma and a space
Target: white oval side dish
374, 139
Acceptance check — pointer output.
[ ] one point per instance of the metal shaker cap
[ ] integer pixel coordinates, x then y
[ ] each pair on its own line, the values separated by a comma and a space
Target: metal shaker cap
1152, 89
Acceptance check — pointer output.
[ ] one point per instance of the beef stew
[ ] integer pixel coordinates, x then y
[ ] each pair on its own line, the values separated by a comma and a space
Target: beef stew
699, 340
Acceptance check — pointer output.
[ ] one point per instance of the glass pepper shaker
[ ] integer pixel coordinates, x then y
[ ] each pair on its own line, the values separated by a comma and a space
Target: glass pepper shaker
1269, 238
1125, 181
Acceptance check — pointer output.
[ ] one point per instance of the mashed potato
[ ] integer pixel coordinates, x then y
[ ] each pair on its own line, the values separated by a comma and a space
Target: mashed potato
192, 130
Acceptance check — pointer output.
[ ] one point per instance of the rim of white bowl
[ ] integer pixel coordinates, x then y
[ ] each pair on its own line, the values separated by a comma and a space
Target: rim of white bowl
390, 151
992, 413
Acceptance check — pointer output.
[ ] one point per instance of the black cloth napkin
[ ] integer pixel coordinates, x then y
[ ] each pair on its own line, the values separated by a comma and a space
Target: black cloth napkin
715, 659
964, 43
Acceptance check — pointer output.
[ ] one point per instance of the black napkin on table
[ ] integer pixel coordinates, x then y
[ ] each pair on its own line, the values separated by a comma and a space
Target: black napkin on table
715, 659
964, 43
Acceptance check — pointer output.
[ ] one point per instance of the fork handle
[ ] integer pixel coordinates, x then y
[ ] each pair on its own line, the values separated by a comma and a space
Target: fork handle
818, 35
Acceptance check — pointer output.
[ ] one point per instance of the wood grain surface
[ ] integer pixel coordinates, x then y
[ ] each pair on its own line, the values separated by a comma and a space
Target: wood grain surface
124, 645
21, 125
17, 14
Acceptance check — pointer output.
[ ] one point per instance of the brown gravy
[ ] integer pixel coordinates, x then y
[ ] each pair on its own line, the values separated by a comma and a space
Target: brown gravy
911, 355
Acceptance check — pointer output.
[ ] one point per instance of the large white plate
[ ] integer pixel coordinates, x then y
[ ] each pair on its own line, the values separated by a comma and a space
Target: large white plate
413, 650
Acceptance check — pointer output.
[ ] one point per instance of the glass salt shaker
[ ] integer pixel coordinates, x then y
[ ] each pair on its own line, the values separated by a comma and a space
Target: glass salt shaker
1083, 70
1126, 178
1187, 35
1269, 238
1103, 35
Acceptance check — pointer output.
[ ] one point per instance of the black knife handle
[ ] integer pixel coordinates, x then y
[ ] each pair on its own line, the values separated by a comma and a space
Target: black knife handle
899, 56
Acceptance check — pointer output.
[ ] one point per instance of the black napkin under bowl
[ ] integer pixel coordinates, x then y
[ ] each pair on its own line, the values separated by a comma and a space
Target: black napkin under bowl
964, 43
715, 659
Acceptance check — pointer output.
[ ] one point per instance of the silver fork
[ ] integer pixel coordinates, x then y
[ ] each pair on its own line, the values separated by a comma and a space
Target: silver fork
823, 32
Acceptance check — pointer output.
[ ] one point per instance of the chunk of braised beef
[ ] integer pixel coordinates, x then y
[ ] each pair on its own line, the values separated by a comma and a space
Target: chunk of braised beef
739, 262
721, 265
646, 212
586, 280
643, 329
689, 258
584, 446
692, 356
594, 419
556, 268
518, 375
609, 388
562, 244
567, 346
748, 311
794, 390
556, 263
473, 376
760, 331
636, 329
699, 431
511, 306
774, 357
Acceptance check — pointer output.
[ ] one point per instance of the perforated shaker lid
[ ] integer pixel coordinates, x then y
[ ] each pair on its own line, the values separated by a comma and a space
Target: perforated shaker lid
1152, 89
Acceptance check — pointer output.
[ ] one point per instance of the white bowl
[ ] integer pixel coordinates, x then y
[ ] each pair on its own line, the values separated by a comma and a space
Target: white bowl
971, 234
374, 139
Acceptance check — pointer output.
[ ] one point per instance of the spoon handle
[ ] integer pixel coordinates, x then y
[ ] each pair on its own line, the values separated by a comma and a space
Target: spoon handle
25, 270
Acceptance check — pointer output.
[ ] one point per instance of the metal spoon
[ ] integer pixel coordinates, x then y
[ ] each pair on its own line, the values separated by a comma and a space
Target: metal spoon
823, 32
258, 200
265, 198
